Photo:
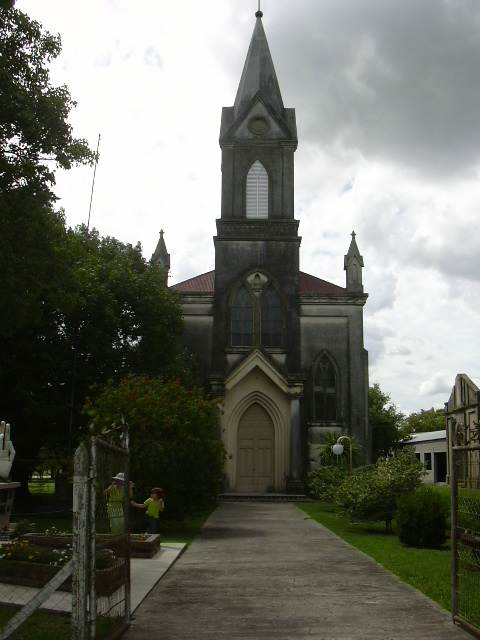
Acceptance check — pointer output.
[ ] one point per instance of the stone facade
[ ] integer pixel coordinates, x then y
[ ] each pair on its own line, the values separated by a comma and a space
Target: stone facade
462, 414
282, 348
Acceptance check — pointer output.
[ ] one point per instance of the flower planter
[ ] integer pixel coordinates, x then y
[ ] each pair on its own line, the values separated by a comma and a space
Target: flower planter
30, 574
144, 546
42, 540
34, 574
107, 581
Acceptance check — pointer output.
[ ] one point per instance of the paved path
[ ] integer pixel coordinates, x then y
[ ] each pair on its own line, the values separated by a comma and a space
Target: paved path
265, 571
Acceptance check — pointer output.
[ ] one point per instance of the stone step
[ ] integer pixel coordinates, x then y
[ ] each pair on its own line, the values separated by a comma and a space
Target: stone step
264, 497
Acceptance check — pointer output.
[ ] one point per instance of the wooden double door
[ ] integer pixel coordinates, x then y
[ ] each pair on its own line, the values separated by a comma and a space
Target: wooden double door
255, 451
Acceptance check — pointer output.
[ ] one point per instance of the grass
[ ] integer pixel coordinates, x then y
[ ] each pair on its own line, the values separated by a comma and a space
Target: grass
51, 626
427, 570
40, 626
45, 487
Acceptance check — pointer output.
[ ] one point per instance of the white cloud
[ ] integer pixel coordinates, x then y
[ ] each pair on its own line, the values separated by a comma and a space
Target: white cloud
439, 384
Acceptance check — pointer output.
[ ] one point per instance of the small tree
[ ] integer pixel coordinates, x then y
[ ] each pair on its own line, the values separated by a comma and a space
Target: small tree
173, 439
371, 494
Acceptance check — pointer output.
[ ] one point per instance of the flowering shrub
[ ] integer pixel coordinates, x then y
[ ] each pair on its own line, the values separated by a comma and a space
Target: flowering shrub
26, 552
174, 440
371, 494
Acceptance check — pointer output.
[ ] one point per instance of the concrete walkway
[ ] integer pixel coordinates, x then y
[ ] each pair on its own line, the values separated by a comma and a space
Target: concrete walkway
260, 570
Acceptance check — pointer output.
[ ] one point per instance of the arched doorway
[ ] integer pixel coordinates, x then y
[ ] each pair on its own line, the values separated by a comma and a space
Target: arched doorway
255, 450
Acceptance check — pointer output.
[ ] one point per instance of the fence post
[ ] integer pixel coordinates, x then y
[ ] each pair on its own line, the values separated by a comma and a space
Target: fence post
92, 537
454, 524
79, 544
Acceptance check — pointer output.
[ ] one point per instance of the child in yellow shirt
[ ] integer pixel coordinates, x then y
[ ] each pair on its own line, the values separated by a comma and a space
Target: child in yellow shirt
154, 506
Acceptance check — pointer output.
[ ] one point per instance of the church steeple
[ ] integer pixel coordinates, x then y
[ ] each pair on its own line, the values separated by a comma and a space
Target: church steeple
161, 257
258, 74
258, 137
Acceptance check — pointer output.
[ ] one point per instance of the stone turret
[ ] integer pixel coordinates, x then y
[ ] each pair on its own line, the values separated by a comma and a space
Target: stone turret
353, 265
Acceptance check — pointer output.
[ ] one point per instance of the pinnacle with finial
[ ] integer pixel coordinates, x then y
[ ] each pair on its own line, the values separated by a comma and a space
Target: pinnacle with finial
259, 13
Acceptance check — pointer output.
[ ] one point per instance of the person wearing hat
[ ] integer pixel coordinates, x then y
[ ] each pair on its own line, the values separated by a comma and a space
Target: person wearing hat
115, 493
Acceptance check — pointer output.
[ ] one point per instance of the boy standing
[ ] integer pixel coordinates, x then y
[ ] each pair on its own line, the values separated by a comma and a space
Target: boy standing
153, 505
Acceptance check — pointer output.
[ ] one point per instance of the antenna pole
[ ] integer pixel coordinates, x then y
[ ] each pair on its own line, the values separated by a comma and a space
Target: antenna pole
93, 182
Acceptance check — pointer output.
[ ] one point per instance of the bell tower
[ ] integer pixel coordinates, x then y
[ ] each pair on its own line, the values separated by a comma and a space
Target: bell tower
257, 242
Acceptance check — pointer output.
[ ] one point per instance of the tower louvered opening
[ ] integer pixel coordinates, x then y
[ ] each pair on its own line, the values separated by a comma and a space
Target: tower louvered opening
257, 191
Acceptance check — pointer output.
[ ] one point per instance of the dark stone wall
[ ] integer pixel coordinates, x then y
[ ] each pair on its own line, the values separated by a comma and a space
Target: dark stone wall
278, 162
236, 259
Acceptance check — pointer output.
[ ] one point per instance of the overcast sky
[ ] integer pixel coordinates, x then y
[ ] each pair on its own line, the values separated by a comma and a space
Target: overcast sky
387, 99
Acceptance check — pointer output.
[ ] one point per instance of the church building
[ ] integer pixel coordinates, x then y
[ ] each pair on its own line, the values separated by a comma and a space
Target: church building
281, 348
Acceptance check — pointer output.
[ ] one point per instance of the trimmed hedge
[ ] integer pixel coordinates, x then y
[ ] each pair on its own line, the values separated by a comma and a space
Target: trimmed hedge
421, 518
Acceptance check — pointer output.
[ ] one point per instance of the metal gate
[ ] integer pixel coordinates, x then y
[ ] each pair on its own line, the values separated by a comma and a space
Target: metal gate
101, 529
465, 492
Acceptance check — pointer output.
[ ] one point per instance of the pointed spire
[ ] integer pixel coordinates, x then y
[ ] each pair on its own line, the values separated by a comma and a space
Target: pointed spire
258, 73
353, 264
161, 257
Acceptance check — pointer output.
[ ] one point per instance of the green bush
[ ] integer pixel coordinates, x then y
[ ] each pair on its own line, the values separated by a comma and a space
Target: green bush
421, 518
324, 480
371, 494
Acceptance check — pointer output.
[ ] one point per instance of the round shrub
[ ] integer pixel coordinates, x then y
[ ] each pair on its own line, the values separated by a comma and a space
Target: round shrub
324, 480
421, 518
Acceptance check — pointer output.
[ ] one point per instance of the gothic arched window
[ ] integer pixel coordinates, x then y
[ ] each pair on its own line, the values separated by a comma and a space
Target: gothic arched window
325, 390
242, 318
271, 318
257, 191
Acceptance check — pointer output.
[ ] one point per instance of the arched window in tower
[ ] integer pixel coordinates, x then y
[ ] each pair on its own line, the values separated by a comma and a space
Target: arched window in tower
242, 318
271, 318
257, 191
325, 390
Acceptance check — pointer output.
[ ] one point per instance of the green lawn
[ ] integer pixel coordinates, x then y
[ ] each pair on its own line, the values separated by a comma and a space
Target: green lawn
425, 569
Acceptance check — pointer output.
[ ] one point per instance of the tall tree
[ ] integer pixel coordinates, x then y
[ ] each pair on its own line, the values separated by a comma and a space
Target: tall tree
35, 139
387, 423
429, 420
111, 314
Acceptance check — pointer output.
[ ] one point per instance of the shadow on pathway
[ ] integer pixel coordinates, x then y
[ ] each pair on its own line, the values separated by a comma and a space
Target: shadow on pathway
262, 571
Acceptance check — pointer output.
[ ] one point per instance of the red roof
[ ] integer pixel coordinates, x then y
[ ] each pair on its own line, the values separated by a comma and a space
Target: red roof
308, 285
311, 284
198, 284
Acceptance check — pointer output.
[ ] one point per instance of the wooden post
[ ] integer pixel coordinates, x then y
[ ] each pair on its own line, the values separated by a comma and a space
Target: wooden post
80, 547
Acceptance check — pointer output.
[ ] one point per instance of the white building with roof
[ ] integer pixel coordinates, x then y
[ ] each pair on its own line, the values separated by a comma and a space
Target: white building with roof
431, 450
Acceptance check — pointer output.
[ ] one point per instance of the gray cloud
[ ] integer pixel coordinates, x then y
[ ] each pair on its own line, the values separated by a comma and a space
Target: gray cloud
400, 80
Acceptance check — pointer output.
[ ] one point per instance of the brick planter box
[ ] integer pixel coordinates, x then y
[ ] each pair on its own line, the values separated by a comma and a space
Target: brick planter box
142, 546
42, 540
34, 574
